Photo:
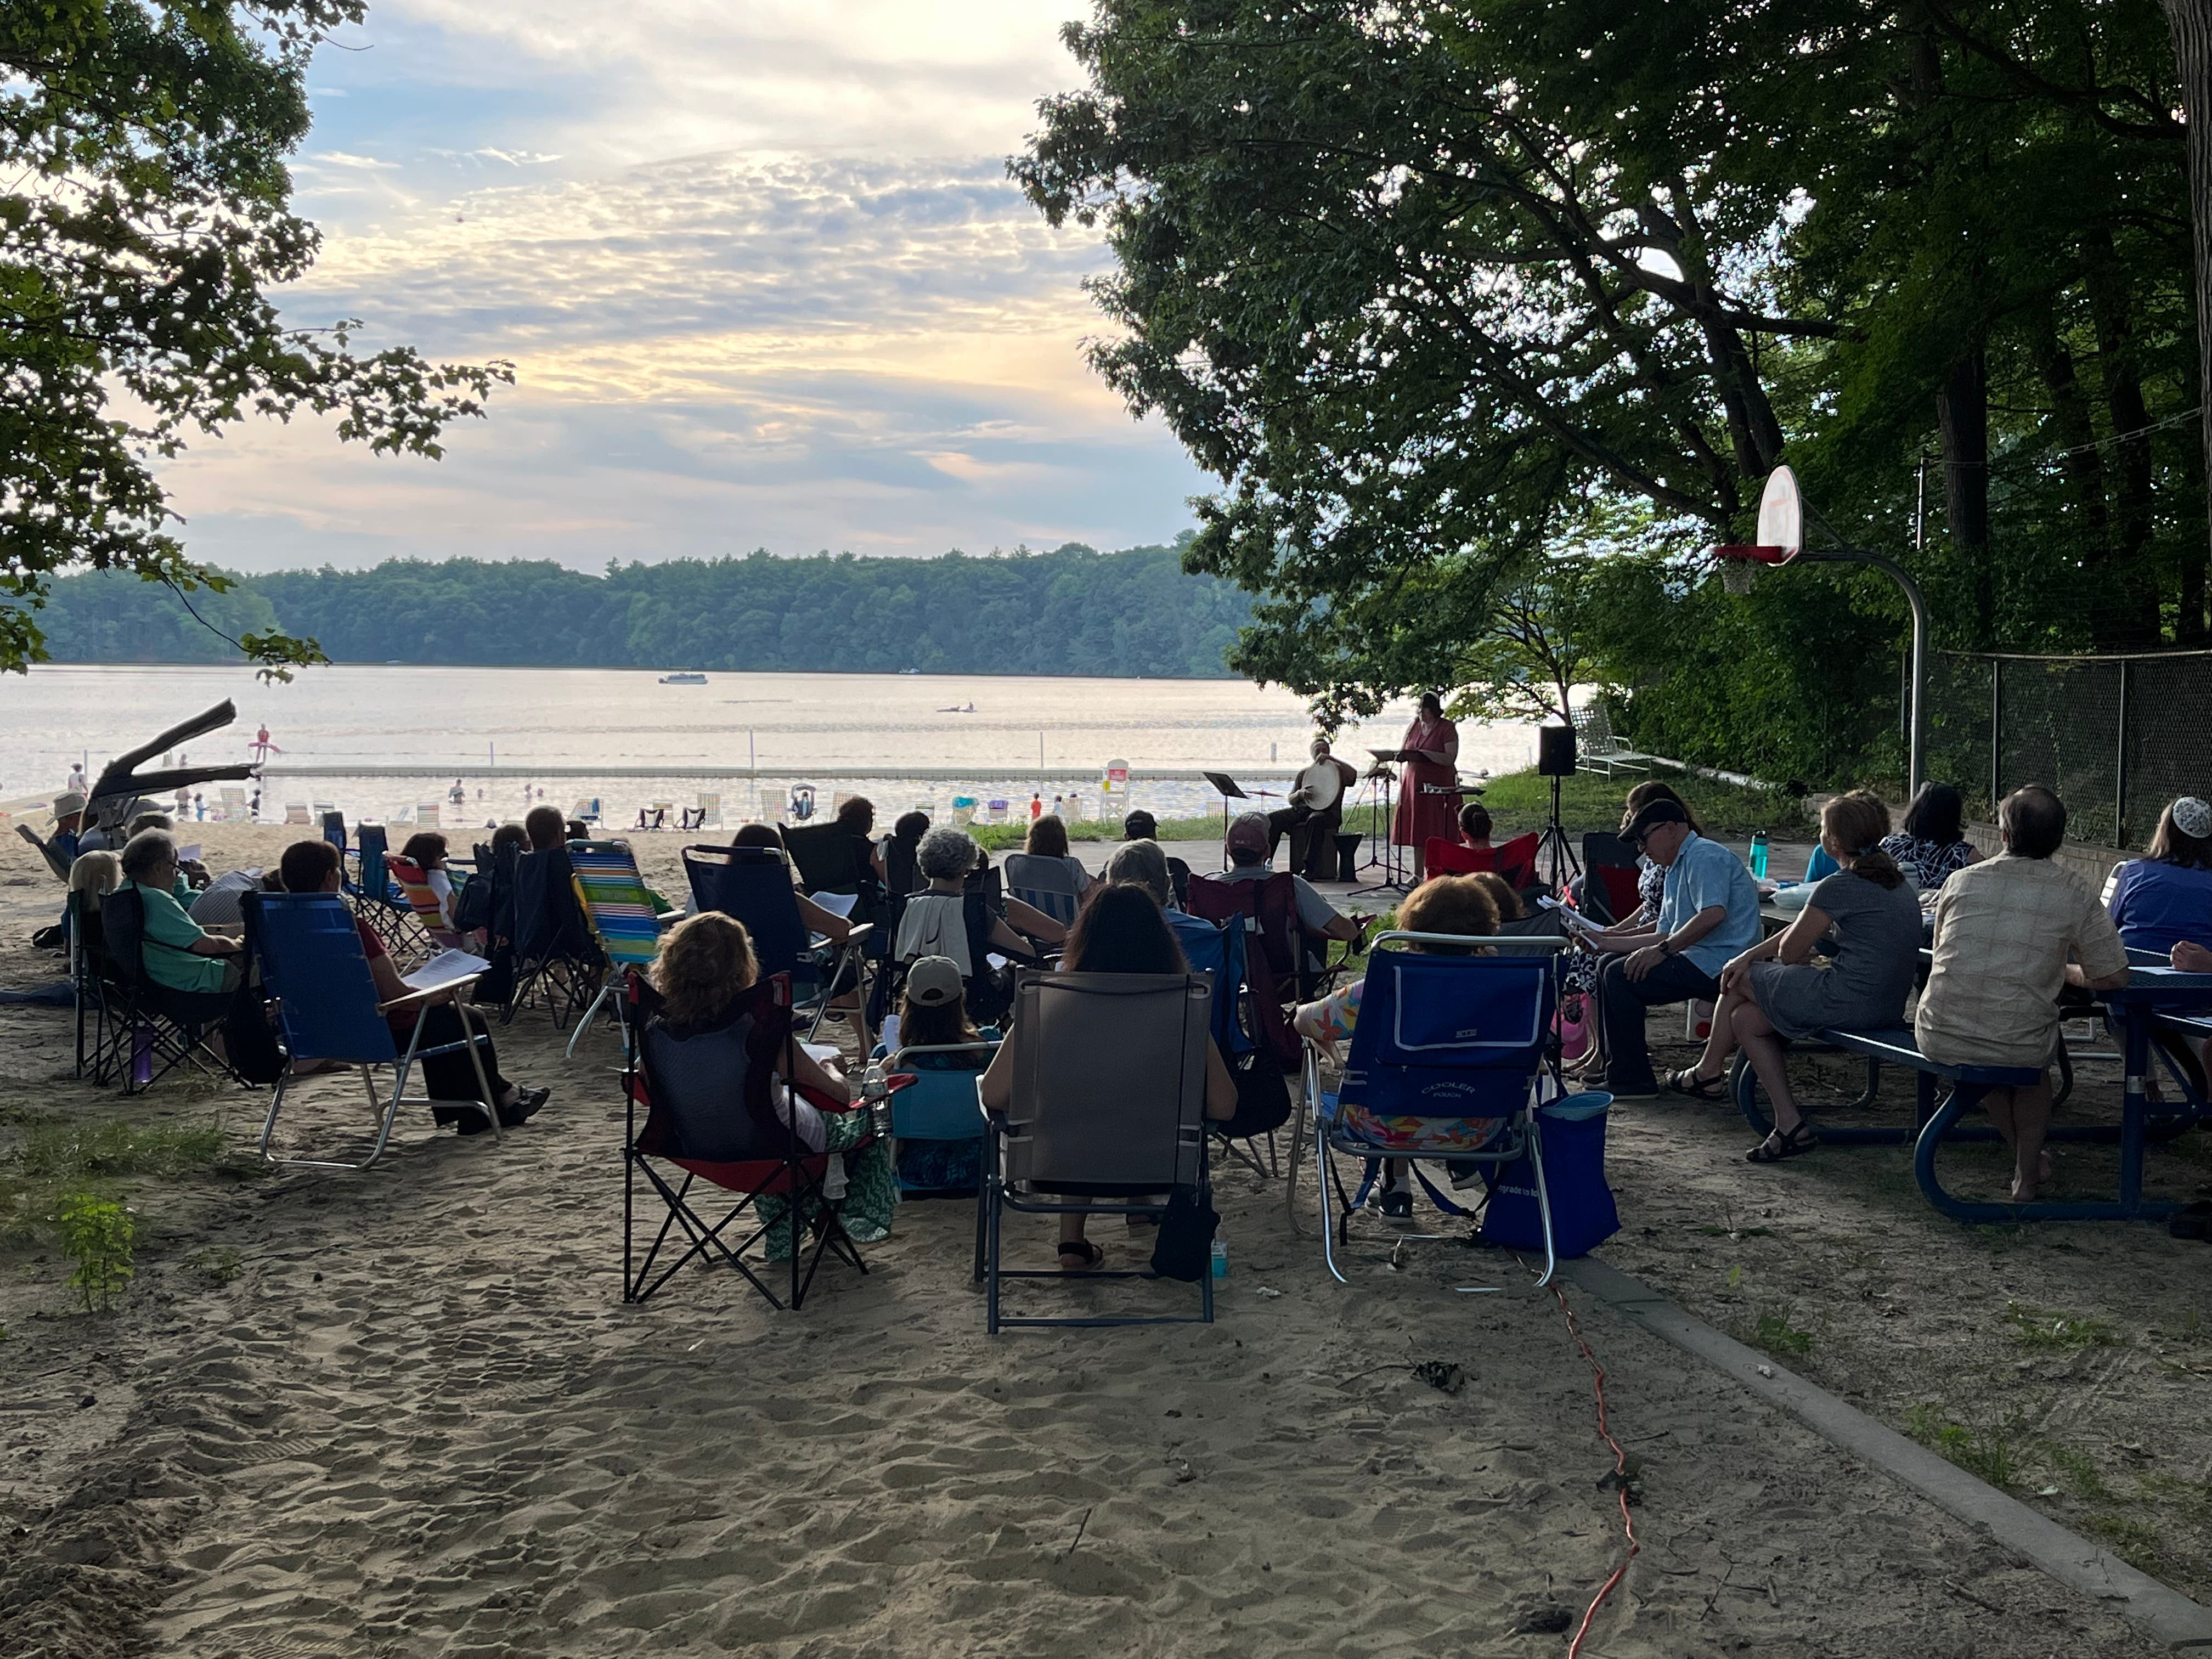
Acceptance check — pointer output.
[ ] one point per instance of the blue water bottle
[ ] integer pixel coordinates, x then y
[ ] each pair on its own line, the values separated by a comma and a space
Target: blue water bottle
1758, 856
1220, 1265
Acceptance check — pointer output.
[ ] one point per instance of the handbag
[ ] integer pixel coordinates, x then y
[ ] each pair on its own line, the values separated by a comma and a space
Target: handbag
1184, 1250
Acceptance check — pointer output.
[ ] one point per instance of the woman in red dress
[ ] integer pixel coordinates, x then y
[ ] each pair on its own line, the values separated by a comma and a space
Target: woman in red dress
1433, 742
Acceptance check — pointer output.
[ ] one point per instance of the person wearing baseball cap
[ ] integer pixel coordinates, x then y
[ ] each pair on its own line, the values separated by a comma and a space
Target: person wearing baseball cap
1248, 844
1708, 914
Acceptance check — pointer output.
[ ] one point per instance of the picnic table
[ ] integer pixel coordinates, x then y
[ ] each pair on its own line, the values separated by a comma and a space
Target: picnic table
2158, 999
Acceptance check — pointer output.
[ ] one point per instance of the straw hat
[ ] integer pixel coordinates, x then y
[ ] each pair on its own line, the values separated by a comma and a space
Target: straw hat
68, 802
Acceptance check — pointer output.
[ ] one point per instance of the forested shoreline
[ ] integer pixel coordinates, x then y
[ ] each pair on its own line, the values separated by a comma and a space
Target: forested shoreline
1073, 611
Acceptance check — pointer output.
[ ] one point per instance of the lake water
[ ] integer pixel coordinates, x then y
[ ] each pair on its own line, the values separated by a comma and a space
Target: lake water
572, 732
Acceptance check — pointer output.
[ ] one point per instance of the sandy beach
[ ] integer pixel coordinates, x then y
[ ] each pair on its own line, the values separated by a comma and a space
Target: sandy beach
406, 1412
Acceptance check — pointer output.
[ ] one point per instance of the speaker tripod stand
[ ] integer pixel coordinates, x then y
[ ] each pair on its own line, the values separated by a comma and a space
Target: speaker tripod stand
1554, 841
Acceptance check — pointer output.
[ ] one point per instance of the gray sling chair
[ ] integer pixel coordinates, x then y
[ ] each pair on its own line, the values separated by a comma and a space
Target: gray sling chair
1109, 1098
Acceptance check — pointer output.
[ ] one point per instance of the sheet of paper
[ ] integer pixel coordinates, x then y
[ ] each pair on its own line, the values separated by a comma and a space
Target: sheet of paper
994, 959
889, 1034
820, 1053
189, 854
837, 904
444, 968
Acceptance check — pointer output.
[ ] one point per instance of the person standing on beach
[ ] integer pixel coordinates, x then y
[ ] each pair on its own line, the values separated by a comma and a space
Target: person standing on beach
1428, 787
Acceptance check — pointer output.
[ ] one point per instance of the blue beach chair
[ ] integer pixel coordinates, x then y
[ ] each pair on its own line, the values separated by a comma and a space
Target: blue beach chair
1444, 1064
327, 1009
936, 1114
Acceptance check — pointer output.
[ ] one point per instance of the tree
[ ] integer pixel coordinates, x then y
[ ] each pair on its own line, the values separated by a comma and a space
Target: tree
145, 216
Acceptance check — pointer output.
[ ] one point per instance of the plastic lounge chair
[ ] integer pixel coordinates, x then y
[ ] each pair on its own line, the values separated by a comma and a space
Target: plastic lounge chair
794, 1173
423, 900
327, 1009
1457, 1040
939, 1107
620, 910
753, 885
1108, 1088
1045, 882
556, 957
153, 1034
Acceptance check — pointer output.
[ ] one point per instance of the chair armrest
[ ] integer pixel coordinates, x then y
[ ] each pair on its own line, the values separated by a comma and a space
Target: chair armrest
424, 996
859, 934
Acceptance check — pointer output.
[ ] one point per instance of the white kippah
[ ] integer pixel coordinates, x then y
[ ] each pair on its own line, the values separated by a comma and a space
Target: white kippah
2193, 817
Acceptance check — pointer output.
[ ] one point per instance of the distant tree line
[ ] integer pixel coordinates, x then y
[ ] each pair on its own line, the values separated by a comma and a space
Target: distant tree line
1073, 610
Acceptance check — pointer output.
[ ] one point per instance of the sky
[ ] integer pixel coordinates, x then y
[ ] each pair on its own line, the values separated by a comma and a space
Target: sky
758, 266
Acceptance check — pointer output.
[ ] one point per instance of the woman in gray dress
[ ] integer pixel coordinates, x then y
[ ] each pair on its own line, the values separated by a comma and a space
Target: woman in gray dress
1772, 992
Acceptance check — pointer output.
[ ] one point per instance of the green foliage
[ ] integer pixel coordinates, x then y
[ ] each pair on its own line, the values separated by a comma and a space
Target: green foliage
96, 1235
69, 1151
1988, 1453
1774, 1332
218, 1264
1523, 800
2047, 1328
145, 214
1070, 611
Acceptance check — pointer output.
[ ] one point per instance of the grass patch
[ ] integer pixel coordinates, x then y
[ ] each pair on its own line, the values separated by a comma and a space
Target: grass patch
1774, 1332
1523, 800
2135, 1542
1989, 1455
2051, 1327
2079, 1470
72, 1152
218, 1264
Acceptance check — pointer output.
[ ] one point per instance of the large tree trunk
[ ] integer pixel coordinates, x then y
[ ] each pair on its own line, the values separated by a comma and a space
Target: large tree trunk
2111, 307
2189, 23
1962, 419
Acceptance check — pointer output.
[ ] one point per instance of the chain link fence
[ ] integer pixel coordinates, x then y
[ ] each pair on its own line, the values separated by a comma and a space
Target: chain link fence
2116, 737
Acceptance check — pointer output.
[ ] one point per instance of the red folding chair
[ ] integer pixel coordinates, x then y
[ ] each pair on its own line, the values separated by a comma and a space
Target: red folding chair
791, 1174
1440, 857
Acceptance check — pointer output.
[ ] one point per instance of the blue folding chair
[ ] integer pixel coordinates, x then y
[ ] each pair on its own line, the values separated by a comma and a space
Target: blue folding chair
1444, 1064
752, 885
376, 898
938, 1106
313, 964
1044, 884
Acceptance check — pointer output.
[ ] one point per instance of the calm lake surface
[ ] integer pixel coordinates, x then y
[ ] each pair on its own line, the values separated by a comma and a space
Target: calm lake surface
454, 723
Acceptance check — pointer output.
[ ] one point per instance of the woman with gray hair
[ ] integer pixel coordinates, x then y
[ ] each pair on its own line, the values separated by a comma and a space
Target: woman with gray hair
935, 921
178, 954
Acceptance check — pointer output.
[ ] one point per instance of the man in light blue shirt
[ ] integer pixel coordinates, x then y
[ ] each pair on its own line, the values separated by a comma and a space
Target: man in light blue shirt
1708, 914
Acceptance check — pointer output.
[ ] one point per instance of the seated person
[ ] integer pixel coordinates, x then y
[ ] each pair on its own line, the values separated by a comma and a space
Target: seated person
195, 872
1142, 863
68, 823
426, 850
1933, 843
547, 829
818, 920
577, 830
200, 968
935, 923
1442, 904
1248, 861
1314, 814
932, 1014
96, 875
1474, 826
314, 866
895, 856
2165, 896
509, 834
2005, 927
1708, 916
1048, 839
698, 1048
1772, 991
1121, 931
856, 816
1142, 825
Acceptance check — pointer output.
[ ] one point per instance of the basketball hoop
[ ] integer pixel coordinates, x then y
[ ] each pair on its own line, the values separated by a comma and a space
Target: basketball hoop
1781, 534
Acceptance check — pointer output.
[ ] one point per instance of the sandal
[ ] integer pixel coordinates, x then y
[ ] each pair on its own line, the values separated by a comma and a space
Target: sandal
1687, 1082
1085, 1256
1778, 1146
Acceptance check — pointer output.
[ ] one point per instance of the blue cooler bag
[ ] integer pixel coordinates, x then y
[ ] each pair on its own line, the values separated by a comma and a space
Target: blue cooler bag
1572, 1130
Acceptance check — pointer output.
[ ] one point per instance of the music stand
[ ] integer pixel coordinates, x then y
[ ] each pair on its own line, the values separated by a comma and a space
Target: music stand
1383, 812
1231, 790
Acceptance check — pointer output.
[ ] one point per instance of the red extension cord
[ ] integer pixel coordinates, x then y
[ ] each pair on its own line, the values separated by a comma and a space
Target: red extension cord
1620, 1475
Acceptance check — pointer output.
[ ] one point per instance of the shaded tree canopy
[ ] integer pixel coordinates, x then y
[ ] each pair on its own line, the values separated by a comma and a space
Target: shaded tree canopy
144, 216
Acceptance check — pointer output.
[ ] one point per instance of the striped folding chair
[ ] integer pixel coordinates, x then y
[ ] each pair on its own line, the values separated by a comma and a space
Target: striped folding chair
423, 900
622, 915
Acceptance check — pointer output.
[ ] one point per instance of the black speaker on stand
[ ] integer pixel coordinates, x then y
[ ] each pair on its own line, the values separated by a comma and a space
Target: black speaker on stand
1555, 759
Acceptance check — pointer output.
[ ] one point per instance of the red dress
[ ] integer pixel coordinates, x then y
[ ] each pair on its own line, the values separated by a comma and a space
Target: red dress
1419, 815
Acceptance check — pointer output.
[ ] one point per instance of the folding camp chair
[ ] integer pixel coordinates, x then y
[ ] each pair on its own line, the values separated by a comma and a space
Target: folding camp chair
313, 964
102, 1039
791, 1174
422, 899
378, 900
1275, 954
334, 831
1108, 1090
939, 1109
555, 954
620, 910
1445, 1064
753, 885
154, 1032
1046, 884
1609, 877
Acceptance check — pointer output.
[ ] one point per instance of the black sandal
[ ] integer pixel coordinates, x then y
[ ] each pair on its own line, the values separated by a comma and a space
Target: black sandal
1687, 1082
1778, 1146
1088, 1256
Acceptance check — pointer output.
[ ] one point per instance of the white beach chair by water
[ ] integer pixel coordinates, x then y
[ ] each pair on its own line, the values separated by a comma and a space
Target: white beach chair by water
233, 809
710, 813
426, 812
295, 811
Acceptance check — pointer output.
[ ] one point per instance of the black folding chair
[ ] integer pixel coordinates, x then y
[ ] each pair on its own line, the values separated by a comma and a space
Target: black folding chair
155, 1027
556, 958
